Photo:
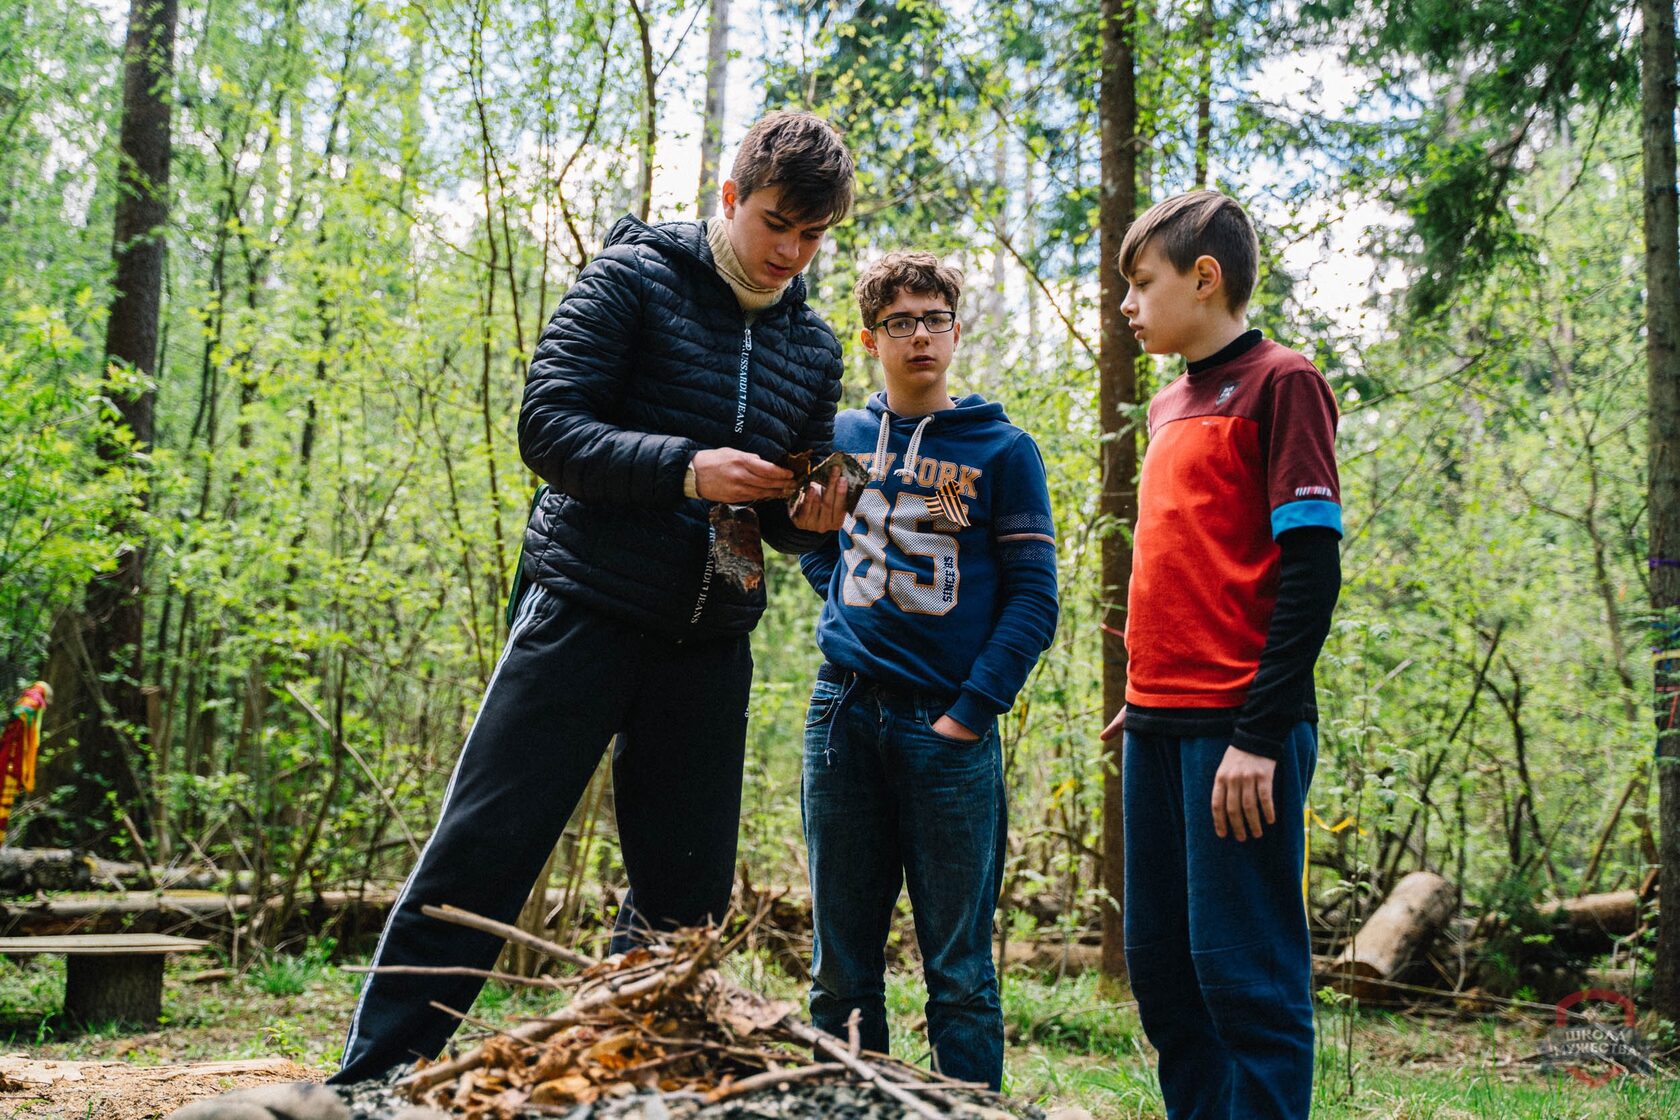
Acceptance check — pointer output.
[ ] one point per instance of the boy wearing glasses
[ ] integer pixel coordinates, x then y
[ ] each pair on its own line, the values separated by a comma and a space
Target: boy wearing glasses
939, 595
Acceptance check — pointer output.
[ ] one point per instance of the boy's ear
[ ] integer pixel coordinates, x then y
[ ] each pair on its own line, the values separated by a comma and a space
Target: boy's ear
1210, 276
729, 197
867, 337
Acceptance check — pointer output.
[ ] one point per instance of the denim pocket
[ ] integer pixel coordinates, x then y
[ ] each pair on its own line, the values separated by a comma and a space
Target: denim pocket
823, 699
931, 717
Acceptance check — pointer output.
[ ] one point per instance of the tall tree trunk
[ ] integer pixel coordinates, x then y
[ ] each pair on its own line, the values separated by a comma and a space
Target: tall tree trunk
1117, 373
650, 107
711, 135
1662, 357
1204, 92
108, 712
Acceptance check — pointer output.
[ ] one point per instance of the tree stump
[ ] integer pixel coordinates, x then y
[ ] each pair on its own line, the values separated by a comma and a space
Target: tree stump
101, 989
109, 977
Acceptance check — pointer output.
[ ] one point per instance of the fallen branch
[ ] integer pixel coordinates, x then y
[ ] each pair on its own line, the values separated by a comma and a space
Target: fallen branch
776, 1078
450, 970
834, 1048
513, 933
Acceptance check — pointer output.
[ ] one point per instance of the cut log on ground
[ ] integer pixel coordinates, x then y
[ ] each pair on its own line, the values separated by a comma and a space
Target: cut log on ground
1409, 917
23, 871
195, 913
1595, 920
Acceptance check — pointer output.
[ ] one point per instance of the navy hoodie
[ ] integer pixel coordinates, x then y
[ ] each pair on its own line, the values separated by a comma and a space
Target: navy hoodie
944, 579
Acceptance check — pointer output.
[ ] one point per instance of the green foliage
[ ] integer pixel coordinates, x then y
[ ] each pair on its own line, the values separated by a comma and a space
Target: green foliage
1501, 78
56, 495
374, 207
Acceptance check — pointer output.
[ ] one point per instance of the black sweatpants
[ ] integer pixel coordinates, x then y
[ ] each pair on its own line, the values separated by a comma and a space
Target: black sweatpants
569, 679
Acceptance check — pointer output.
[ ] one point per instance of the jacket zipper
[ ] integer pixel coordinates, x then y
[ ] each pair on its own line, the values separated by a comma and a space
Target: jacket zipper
741, 382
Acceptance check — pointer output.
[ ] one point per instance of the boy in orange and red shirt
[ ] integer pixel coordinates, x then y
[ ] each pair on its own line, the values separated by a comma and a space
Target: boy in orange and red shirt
1235, 572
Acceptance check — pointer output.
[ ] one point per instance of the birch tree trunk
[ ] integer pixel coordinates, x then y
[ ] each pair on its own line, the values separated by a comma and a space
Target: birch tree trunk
711, 135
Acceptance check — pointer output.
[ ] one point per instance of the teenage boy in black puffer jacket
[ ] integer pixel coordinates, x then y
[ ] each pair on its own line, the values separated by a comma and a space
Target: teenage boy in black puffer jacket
677, 371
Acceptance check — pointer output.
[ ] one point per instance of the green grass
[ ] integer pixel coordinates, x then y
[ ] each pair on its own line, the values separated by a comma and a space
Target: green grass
1491, 1095
1067, 1043
291, 974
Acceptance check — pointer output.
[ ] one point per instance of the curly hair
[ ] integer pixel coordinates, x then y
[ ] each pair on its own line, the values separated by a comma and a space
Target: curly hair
901, 271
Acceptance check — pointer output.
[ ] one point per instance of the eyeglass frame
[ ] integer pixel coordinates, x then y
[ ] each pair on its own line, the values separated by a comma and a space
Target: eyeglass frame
917, 320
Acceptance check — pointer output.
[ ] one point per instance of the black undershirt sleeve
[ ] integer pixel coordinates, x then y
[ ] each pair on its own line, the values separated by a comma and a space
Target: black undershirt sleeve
1309, 582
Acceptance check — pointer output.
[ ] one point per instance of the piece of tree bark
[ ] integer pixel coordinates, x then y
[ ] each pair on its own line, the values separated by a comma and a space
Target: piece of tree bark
1412, 913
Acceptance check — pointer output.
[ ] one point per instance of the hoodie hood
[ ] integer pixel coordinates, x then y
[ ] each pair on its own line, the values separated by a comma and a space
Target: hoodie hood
968, 409
685, 242
965, 411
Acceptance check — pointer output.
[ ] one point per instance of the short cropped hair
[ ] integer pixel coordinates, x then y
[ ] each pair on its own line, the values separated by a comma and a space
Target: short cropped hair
1197, 224
802, 154
900, 271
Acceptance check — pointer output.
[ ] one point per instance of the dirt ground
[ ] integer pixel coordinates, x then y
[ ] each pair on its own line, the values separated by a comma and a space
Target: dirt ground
220, 1031
36, 1089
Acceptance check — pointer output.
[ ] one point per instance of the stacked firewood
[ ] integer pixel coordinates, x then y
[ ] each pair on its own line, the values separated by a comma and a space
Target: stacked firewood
663, 1024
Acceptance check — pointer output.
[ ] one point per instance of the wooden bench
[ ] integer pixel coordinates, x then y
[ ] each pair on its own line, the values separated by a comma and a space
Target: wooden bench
109, 977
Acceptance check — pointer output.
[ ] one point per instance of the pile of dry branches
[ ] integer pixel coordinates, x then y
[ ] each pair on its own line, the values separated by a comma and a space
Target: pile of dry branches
663, 1020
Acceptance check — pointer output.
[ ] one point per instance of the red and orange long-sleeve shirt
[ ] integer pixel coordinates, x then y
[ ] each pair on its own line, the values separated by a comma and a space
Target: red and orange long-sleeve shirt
1241, 450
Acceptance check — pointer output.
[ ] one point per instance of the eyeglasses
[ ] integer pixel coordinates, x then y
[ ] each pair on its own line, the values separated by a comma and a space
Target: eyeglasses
903, 326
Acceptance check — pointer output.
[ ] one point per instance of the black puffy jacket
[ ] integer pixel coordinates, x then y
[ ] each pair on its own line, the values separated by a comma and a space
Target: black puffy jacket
647, 360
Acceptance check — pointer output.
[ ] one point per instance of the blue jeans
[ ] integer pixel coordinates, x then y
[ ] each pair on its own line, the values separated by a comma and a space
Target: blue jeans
887, 801
1216, 933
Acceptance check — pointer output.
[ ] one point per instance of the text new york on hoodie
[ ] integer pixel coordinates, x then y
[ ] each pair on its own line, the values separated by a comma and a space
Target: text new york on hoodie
944, 579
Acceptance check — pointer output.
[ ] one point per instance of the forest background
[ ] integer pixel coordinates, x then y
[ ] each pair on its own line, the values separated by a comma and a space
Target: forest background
372, 207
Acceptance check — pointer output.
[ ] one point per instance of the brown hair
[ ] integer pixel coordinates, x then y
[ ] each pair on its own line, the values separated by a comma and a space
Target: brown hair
802, 154
1197, 224
899, 271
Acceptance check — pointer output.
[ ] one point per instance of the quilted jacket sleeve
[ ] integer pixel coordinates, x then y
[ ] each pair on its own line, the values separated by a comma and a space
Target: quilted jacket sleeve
577, 375
817, 435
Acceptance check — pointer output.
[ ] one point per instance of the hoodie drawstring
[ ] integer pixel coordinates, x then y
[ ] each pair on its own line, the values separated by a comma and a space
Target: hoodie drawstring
907, 473
878, 466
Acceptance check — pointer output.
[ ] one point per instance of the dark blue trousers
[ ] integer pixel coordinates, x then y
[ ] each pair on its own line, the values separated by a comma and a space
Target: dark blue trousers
888, 801
569, 679
1216, 933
